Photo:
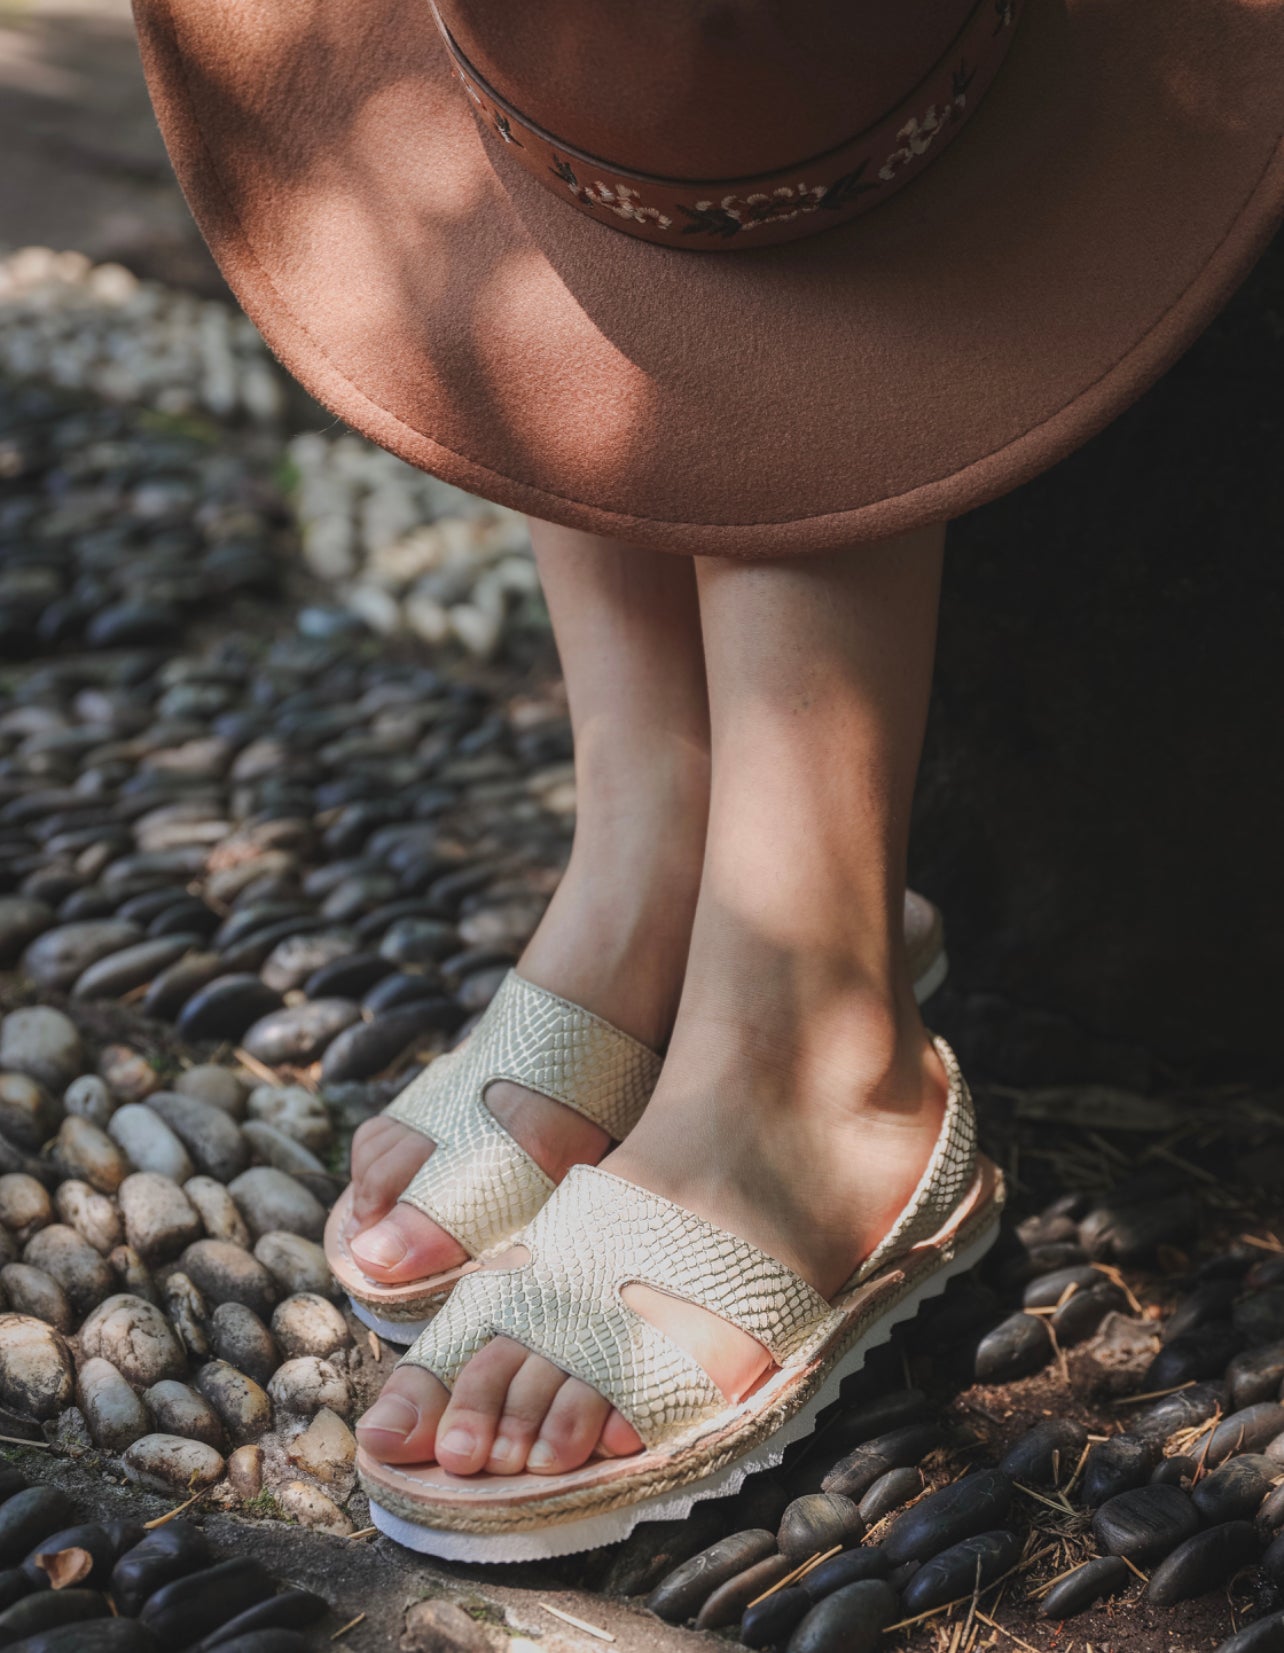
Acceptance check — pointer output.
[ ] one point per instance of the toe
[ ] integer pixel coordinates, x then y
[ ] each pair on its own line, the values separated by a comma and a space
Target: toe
529, 1397
619, 1438
384, 1170
406, 1245
571, 1429
467, 1430
401, 1426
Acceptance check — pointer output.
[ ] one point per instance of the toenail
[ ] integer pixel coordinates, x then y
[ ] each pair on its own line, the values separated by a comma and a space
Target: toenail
461, 1442
505, 1452
541, 1456
393, 1414
382, 1247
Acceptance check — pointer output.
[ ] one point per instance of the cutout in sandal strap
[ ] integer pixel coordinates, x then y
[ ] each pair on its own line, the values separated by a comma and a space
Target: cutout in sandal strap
479, 1184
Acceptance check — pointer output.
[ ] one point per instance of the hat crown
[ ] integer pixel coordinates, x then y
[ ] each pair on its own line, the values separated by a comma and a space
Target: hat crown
705, 88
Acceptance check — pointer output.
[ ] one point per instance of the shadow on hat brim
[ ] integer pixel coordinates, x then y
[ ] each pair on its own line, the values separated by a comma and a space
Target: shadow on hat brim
1120, 178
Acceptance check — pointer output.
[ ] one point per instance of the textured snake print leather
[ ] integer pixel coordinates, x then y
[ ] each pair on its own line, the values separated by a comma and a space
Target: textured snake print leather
479, 1184
599, 1233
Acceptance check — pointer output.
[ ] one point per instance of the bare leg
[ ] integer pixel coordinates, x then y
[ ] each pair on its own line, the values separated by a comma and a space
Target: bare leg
615, 936
801, 1096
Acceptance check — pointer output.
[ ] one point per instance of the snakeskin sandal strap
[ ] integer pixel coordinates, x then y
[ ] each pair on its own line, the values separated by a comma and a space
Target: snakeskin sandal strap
479, 1184
596, 1235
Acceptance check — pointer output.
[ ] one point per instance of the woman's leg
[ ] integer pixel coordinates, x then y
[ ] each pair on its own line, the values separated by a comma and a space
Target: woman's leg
615, 936
801, 1097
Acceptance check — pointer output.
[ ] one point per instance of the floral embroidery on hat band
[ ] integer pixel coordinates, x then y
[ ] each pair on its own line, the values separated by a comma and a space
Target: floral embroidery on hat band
778, 206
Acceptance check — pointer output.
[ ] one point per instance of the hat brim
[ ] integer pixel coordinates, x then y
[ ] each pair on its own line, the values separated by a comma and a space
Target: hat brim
1124, 171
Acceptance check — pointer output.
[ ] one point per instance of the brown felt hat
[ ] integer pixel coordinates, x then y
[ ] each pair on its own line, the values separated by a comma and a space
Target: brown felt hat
735, 277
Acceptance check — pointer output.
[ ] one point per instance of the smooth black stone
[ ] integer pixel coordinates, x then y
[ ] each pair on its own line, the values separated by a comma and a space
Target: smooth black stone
1269, 1272
770, 1623
1162, 1418
1120, 1232
400, 989
247, 922
1145, 1524
958, 1571
1271, 1513
1248, 1430
681, 1594
1046, 1228
132, 622
418, 941
227, 1007
1255, 1375
1105, 1575
1209, 1302
1265, 1636
866, 1561
816, 1522
119, 973
347, 978
251, 953
1236, 1490
1203, 1353
366, 1048
852, 1620
181, 1612
761, 1501
961, 1510
299, 1033
142, 909
1260, 1316
1116, 1466
877, 1417
174, 987
1272, 1562
729, 1601
1045, 1291
1014, 1348
1204, 1561
889, 1492
1045, 1454
27, 1517
856, 1473
1171, 1472
189, 914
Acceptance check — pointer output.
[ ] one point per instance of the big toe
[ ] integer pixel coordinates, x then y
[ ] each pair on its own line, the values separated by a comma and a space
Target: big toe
406, 1245
401, 1426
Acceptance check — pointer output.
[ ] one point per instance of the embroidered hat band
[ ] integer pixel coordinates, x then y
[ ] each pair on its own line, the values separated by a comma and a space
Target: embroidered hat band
786, 203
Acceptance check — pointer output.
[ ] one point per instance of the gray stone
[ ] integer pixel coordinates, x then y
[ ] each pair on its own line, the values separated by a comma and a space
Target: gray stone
160, 1220
36, 1371
280, 1151
89, 1097
168, 1463
309, 1324
132, 1274
187, 1314
212, 1139
295, 1264
299, 1033
135, 1336
295, 1112
217, 1210
148, 1142
816, 1522
29, 1115
241, 1339
243, 1408
32, 1292
176, 1409
75, 1265
93, 1216
311, 1507
293, 960
113, 1412
217, 1086
25, 1205
442, 1627
82, 1150
43, 1043
120, 972
269, 1199
226, 1273
128, 1072
56, 958
22, 919
301, 1387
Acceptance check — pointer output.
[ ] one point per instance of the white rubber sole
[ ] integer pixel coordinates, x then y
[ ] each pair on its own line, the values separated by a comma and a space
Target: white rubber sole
568, 1537
932, 978
402, 1332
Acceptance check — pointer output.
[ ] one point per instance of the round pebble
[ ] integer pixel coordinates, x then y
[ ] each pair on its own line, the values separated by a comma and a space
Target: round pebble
31, 1291
1236, 1490
115, 1415
1202, 1562
93, 1216
269, 1199
147, 1140
682, 1592
160, 1220
214, 1141
816, 1522
241, 1339
227, 1273
36, 1371
168, 1463
302, 1386
217, 1211
309, 1324
295, 1264
76, 1266
176, 1409
1144, 1525
244, 1410
1105, 1575
136, 1338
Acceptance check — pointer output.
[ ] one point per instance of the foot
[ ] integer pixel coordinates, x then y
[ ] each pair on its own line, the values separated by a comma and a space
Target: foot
613, 940
809, 1153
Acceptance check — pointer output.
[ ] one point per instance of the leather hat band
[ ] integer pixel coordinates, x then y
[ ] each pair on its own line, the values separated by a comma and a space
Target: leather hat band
782, 205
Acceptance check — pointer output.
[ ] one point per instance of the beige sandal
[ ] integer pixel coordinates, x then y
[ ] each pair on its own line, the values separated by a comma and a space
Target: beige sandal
598, 1234
479, 1184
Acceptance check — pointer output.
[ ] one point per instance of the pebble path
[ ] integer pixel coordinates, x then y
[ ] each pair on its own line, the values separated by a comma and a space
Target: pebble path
258, 865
